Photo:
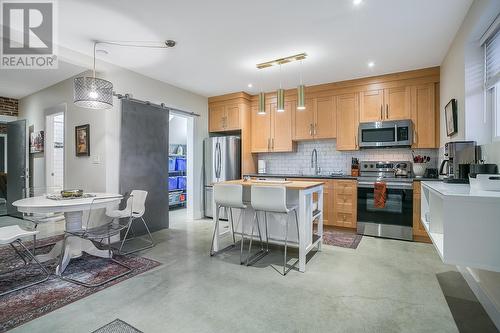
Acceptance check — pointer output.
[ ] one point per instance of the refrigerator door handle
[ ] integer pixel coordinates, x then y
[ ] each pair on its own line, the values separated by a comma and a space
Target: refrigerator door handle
218, 157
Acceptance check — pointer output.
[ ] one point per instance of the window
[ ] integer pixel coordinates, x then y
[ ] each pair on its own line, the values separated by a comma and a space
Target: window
492, 81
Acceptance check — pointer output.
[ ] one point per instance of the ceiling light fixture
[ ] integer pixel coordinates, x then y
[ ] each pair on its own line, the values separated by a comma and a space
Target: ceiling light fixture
282, 61
94, 93
357, 2
371, 64
250, 85
280, 97
301, 100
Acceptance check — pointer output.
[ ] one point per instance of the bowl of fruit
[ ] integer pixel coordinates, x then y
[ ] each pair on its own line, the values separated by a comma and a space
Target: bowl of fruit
420, 164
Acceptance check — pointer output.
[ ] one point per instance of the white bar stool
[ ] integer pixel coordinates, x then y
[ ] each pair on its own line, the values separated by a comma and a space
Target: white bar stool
272, 199
228, 196
12, 235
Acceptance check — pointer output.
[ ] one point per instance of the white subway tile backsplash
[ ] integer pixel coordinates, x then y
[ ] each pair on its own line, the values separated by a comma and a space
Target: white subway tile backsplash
330, 160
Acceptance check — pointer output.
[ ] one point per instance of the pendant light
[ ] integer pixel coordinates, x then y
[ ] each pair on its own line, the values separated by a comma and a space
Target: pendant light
280, 97
262, 99
301, 100
92, 92
262, 103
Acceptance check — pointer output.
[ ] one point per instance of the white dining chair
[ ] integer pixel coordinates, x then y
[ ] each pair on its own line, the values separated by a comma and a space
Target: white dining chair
272, 199
12, 235
135, 209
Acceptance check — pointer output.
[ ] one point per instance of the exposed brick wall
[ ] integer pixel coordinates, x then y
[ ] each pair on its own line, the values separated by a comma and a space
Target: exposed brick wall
9, 106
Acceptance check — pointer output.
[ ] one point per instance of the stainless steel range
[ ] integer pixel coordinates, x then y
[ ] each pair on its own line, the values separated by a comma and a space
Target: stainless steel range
394, 217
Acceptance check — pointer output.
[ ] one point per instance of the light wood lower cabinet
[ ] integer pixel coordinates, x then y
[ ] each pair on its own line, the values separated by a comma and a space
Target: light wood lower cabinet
345, 203
419, 232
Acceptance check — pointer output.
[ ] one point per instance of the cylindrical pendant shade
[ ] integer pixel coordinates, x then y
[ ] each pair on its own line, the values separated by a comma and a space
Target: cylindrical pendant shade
301, 101
92, 93
280, 100
262, 103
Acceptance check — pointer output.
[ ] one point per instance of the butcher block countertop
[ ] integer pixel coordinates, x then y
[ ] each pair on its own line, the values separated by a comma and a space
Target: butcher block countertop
292, 185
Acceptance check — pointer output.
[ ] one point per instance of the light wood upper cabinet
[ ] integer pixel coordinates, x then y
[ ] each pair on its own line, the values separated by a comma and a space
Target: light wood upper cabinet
272, 131
232, 117
317, 121
224, 118
423, 110
397, 103
281, 125
371, 106
217, 118
304, 120
325, 118
347, 121
261, 130
385, 104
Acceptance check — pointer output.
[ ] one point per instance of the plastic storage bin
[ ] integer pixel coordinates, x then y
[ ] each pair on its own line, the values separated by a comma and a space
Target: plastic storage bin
180, 164
181, 182
172, 183
171, 163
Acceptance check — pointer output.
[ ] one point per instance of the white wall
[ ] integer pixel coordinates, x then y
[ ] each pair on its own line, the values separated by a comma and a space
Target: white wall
100, 171
461, 78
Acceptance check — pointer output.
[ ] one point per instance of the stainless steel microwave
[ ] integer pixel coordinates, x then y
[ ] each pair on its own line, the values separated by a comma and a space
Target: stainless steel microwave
383, 134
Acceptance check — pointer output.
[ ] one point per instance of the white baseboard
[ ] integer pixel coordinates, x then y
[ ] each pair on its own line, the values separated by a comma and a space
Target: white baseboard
482, 297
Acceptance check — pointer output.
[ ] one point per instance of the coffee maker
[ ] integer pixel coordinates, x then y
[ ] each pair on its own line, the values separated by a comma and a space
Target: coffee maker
458, 156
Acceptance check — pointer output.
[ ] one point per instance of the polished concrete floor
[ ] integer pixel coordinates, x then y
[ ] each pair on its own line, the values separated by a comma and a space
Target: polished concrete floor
382, 286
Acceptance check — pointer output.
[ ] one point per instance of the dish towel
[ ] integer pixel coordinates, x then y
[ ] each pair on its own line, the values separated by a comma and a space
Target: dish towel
379, 194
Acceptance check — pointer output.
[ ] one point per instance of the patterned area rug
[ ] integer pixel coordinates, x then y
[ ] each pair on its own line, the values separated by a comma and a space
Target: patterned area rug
25, 305
342, 238
117, 326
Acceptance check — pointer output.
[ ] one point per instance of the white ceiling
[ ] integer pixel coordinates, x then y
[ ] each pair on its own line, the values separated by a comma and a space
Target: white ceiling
220, 41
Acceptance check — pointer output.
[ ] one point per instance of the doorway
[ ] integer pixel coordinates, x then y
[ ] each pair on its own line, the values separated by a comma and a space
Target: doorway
180, 167
54, 155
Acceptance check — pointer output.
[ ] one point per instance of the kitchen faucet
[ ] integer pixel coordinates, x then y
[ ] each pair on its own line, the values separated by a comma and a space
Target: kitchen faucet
314, 162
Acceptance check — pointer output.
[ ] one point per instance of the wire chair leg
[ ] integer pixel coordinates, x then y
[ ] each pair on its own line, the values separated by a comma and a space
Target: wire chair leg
126, 234
28, 254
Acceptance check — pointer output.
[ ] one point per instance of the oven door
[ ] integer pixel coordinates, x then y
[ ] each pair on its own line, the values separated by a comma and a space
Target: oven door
394, 220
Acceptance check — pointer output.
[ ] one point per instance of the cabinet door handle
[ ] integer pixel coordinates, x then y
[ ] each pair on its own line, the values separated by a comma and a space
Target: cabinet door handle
268, 144
381, 112
315, 130
355, 141
310, 129
387, 111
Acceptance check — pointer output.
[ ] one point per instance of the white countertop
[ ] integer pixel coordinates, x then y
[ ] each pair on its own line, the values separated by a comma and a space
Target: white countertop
460, 191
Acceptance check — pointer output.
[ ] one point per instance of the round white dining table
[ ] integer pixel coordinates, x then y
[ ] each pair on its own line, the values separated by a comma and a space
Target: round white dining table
73, 212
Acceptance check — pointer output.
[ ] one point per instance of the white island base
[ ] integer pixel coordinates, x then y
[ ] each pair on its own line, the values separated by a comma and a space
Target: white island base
302, 196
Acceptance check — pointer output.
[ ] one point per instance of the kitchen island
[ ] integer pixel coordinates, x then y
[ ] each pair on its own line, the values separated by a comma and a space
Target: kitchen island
306, 195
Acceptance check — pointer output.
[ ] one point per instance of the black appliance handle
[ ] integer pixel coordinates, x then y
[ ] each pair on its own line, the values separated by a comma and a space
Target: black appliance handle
441, 168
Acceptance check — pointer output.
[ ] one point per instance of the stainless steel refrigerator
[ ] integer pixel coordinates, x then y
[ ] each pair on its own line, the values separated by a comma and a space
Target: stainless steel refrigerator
222, 156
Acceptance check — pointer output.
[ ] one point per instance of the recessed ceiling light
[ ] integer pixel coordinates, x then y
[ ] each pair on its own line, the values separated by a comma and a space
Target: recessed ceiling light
357, 2
371, 64
250, 85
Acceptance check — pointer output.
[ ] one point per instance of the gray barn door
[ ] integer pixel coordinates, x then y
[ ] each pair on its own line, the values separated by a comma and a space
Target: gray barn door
144, 159
16, 164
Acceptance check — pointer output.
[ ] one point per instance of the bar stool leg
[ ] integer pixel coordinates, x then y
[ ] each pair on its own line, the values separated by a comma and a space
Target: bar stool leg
286, 244
258, 229
251, 237
232, 223
267, 234
216, 229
